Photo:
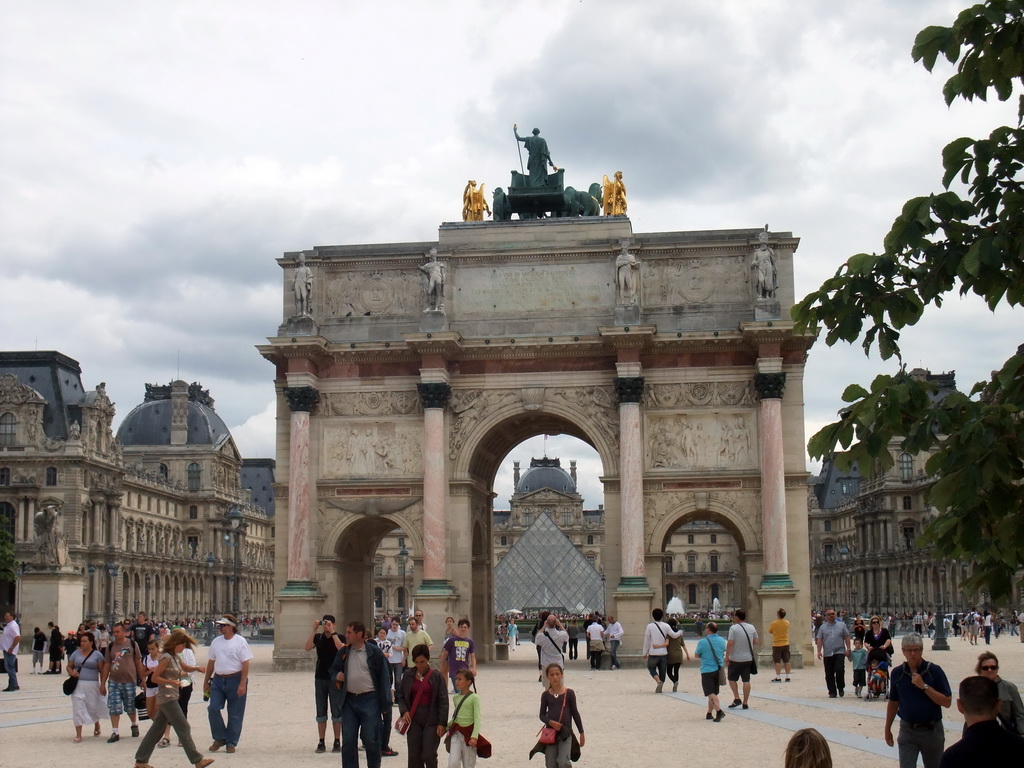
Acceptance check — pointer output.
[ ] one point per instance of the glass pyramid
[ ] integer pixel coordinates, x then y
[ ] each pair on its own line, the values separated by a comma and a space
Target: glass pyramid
544, 571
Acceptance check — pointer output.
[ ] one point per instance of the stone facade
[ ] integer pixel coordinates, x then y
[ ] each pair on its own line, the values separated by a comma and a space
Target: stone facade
866, 555
691, 395
144, 523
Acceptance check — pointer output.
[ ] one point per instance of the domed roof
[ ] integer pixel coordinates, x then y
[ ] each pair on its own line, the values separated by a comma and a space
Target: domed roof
546, 473
150, 422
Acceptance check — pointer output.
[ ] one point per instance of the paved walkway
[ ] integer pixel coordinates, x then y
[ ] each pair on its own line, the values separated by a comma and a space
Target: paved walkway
624, 719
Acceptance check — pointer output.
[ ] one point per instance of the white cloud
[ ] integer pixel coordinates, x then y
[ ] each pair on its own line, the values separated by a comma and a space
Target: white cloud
158, 159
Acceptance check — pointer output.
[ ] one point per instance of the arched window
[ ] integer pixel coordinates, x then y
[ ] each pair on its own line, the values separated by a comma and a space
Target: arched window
163, 471
906, 466
195, 476
670, 592
714, 592
51, 475
8, 429
691, 594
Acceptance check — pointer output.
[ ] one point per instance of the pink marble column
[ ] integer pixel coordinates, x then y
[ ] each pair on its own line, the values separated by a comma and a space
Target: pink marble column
773, 480
631, 482
435, 496
301, 400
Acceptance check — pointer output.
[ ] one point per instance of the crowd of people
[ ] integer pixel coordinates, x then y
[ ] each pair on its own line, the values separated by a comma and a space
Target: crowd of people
362, 674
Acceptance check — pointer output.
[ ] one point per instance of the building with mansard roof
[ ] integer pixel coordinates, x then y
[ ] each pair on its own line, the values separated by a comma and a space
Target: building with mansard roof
866, 552
146, 515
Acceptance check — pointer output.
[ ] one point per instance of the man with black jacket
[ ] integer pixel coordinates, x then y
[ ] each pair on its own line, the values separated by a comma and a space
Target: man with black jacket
361, 671
985, 741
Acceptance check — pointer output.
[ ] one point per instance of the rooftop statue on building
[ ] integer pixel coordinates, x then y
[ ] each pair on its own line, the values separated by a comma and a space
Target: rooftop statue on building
539, 157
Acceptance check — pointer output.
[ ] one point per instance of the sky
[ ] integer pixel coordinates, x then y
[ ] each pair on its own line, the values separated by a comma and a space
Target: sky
158, 157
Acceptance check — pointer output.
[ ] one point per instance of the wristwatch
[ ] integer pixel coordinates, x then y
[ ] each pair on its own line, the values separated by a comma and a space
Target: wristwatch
926, 687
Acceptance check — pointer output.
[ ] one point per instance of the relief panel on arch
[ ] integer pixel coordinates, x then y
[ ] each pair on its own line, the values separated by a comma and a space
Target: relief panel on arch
720, 440
357, 449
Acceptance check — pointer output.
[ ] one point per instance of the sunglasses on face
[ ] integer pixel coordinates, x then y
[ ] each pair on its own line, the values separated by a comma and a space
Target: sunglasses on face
990, 668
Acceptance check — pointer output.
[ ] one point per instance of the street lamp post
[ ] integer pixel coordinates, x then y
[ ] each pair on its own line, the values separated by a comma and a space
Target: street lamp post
853, 594
112, 572
403, 559
211, 561
939, 642
238, 527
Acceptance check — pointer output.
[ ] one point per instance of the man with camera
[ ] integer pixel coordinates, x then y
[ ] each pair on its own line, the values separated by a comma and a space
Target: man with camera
551, 637
327, 645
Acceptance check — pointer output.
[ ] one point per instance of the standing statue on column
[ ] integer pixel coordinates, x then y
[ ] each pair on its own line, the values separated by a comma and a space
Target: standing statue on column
766, 277
302, 287
51, 546
627, 270
539, 159
434, 272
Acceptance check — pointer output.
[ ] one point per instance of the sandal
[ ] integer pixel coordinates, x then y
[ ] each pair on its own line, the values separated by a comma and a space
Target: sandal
164, 742
77, 740
96, 731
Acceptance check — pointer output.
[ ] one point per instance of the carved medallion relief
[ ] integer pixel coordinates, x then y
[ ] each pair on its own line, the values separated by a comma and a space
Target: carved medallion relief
701, 441
386, 292
356, 449
695, 281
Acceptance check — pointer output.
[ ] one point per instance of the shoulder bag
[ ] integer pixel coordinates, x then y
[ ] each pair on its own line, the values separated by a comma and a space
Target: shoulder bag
72, 682
401, 724
547, 734
753, 656
722, 680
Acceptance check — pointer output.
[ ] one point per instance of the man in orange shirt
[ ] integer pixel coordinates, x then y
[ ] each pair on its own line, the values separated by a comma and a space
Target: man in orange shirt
779, 630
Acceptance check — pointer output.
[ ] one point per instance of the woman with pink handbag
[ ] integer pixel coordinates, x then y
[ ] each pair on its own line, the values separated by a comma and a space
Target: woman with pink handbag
558, 711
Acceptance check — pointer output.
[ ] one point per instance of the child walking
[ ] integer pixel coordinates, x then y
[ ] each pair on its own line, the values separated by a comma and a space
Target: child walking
464, 728
860, 667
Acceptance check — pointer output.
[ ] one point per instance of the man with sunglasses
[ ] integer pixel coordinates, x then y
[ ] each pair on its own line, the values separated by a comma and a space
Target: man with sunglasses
917, 693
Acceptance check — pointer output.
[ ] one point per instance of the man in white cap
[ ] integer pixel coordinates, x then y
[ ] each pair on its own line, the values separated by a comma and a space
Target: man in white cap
227, 676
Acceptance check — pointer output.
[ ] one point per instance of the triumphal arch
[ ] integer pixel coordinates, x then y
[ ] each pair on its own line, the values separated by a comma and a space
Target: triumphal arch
407, 371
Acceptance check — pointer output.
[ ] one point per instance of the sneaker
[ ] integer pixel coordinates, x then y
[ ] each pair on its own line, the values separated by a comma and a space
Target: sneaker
745, 706
12, 688
113, 737
787, 679
709, 716
659, 687
230, 749
735, 703
135, 731
389, 752
217, 744
320, 747
776, 679
336, 747
719, 716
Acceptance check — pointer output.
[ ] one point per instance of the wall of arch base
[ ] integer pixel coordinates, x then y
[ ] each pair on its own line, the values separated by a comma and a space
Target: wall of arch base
295, 616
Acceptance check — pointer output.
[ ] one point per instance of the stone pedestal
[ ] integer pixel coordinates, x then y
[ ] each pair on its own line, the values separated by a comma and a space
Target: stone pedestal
767, 309
292, 624
433, 320
52, 593
627, 314
299, 325
633, 610
436, 606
